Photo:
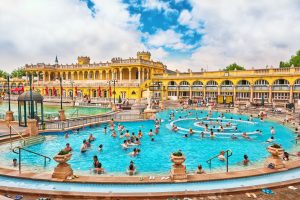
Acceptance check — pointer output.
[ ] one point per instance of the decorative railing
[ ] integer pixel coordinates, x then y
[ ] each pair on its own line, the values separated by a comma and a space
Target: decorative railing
261, 87
223, 88
242, 88
280, 87
211, 88
197, 87
171, 87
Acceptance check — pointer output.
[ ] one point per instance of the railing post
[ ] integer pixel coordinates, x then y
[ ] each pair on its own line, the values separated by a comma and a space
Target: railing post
227, 161
20, 160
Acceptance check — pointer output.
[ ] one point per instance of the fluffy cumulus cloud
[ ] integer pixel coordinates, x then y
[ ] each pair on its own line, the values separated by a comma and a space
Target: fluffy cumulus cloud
167, 39
252, 33
35, 31
203, 33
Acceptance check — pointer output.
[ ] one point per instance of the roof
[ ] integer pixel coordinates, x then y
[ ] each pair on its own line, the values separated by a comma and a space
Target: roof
25, 96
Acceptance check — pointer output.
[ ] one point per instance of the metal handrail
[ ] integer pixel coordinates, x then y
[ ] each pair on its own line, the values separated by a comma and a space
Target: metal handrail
228, 154
75, 111
10, 130
20, 160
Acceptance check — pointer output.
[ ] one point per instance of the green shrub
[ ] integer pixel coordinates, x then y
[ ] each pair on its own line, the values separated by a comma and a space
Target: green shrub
63, 152
178, 153
276, 146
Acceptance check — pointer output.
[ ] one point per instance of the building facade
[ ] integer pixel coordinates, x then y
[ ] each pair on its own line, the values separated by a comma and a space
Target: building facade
120, 78
278, 85
133, 76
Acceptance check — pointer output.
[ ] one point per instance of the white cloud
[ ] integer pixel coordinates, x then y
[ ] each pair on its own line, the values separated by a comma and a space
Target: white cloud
169, 39
158, 5
252, 33
35, 31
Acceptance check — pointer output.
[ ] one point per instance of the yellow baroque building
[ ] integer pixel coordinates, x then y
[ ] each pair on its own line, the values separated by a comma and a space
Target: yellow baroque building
136, 75
95, 80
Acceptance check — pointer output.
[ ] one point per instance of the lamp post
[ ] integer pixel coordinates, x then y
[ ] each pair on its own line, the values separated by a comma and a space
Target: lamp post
108, 82
72, 86
61, 112
31, 97
9, 114
8, 91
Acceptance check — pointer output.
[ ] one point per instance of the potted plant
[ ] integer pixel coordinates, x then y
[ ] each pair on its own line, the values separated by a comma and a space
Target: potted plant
275, 150
177, 157
62, 156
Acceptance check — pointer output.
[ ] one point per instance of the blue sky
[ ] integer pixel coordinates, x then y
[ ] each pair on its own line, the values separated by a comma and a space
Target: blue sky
183, 34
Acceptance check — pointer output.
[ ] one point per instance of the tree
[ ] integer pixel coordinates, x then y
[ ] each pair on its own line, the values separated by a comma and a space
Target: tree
294, 60
234, 66
3, 74
18, 73
284, 64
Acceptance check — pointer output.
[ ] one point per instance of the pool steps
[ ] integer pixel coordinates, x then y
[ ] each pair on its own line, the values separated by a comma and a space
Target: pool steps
34, 140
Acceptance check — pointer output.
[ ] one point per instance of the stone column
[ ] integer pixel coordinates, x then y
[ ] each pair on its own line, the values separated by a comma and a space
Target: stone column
143, 74
219, 90
234, 93
107, 75
204, 91
94, 75
291, 94
62, 115
270, 94
120, 75
100, 75
44, 77
190, 89
139, 75
129, 75
177, 91
32, 128
251, 93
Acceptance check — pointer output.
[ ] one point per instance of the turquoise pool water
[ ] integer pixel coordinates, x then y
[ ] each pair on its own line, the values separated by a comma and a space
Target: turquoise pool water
53, 110
155, 156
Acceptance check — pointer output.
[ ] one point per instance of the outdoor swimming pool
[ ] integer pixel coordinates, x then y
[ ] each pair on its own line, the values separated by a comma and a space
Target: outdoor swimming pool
53, 110
154, 157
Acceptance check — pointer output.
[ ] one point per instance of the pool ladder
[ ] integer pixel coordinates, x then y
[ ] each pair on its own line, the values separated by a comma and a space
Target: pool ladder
228, 153
20, 149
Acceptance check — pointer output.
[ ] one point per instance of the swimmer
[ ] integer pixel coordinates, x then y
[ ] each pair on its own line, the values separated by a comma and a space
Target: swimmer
121, 135
202, 134
212, 135
270, 140
140, 134
185, 136
97, 166
191, 132
221, 156
105, 129
272, 130
66, 135
244, 135
84, 147
91, 138
125, 144
127, 134
234, 137
200, 170
131, 169
68, 148
114, 134
15, 162
174, 128
150, 133
246, 160
100, 148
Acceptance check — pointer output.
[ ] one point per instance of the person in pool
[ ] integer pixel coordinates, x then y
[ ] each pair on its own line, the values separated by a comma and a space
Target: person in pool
221, 156
244, 135
84, 147
100, 148
97, 166
185, 136
105, 129
68, 148
191, 132
150, 133
91, 138
212, 135
15, 162
131, 169
246, 160
114, 134
234, 137
202, 134
140, 134
270, 140
200, 170
125, 144
127, 134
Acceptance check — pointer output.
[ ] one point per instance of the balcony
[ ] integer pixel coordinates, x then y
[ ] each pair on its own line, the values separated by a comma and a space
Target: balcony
280, 87
198, 88
243, 88
184, 87
211, 88
261, 88
227, 88
172, 87
297, 87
